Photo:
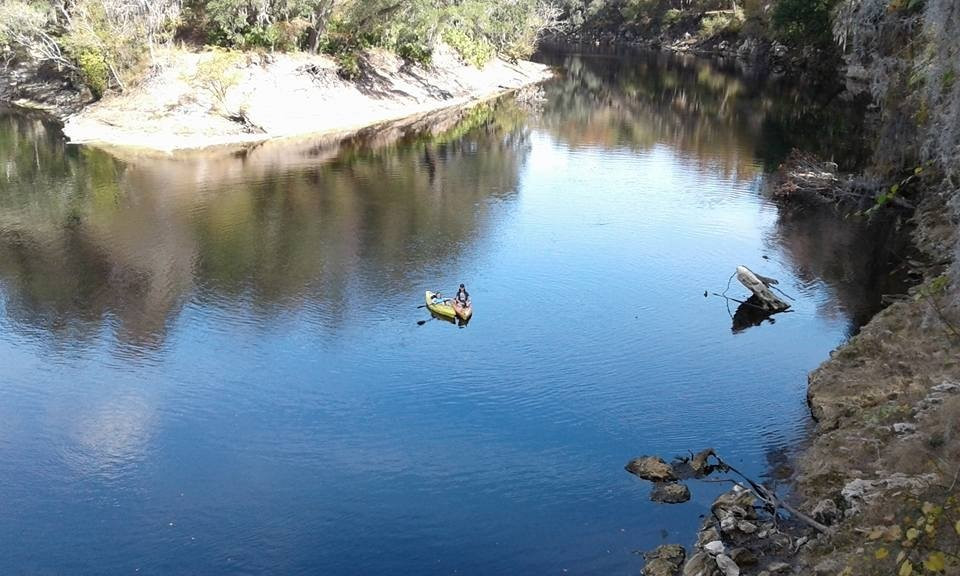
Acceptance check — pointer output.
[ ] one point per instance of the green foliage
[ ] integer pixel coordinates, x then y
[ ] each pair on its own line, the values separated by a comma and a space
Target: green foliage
245, 24
802, 22
475, 51
672, 16
721, 24
348, 65
94, 70
640, 11
906, 6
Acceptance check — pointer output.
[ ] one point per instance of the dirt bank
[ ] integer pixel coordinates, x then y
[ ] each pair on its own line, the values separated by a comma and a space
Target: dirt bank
201, 99
886, 449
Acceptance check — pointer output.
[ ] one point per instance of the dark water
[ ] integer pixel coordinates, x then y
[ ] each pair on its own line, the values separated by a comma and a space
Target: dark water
214, 365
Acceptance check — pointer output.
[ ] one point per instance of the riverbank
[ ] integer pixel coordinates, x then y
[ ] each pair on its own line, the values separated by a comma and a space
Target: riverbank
194, 100
886, 452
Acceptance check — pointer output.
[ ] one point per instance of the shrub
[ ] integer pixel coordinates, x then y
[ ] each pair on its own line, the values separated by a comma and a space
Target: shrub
476, 52
672, 16
216, 74
348, 65
804, 21
94, 71
724, 23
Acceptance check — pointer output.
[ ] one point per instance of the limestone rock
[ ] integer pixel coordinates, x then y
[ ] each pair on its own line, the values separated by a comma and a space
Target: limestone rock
651, 468
706, 536
666, 560
700, 564
715, 547
739, 499
670, 493
779, 568
727, 565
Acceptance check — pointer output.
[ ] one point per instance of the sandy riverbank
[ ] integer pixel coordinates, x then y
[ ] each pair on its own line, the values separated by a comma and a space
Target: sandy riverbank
258, 97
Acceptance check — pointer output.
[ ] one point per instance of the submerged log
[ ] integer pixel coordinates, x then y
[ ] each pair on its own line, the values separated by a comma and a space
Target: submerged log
760, 286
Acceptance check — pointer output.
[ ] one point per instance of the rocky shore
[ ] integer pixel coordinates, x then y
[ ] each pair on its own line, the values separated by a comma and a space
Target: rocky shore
881, 473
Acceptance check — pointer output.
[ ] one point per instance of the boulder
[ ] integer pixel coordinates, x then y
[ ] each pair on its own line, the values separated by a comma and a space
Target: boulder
699, 463
707, 535
714, 548
651, 468
670, 493
826, 512
700, 564
666, 560
779, 568
744, 557
727, 565
739, 500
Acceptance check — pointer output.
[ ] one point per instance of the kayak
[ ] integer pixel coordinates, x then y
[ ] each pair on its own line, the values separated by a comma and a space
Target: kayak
442, 308
463, 312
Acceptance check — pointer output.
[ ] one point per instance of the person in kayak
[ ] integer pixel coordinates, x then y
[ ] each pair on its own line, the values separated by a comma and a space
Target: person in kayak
463, 297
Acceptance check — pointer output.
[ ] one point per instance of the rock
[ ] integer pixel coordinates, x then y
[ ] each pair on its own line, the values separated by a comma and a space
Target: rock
743, 557
826, 512
706, 536
700, 564
670, 493
778, 50
739, 512
746, 527
779, 568
739, 497
901, 428
728, 524
714, 548
699, 462
651, 468
727, 565
666, 560
946, 388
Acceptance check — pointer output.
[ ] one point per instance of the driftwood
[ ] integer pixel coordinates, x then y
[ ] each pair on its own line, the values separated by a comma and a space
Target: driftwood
760, 286
804, 176
770, 498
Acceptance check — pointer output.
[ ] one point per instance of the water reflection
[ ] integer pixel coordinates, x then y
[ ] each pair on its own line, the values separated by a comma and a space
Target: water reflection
216, 359
860, 260
88, 239
718, 115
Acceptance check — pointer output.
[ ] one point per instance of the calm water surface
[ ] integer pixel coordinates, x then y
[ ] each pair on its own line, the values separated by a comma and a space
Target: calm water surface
214, 365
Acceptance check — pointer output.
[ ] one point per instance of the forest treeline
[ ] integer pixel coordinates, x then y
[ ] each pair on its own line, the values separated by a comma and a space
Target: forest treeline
107, 42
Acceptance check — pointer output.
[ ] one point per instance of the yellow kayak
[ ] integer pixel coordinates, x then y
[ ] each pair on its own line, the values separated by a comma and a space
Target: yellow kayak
441, 307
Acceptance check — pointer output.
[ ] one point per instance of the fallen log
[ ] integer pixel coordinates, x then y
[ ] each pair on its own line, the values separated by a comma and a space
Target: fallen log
760, 286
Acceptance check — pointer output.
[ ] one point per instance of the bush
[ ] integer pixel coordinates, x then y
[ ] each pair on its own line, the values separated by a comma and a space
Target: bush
717, 24
94, 71
672, 16
216, 74
348, 65
476, 52
802, 22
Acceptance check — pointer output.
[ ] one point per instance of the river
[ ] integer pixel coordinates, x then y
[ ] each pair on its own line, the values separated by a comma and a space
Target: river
217, 364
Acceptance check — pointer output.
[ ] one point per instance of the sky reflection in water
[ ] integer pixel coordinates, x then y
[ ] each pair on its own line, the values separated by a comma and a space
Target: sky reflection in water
213, 365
